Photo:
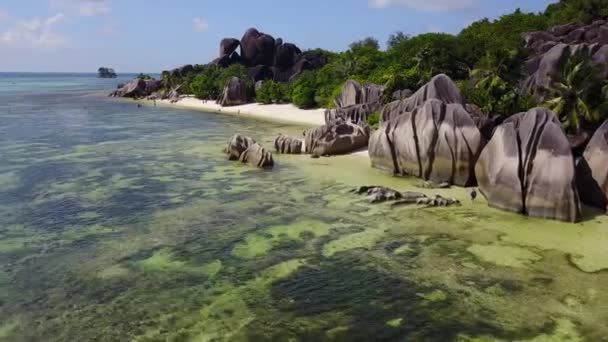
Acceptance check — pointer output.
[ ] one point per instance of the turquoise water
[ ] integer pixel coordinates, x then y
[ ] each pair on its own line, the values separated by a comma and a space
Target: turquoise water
120, 223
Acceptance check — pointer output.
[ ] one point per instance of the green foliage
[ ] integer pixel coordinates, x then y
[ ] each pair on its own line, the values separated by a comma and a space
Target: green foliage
373, 120
578, 95
577, 11
210, 80
303, 90
369, 43
143, 76
396, 38
272, 92
493, 37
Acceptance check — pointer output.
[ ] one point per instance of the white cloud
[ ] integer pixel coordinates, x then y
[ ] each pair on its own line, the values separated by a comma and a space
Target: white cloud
425, 5
84, 8
35, 33
200, 24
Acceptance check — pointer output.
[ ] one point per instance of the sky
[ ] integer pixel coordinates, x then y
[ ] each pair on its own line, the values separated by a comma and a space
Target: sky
154, 35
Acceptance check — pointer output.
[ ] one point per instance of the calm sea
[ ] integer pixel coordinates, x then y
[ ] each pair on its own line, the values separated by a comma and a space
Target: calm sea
120, 223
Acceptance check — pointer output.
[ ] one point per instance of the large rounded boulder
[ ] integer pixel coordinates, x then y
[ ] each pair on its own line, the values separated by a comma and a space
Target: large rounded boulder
228, 46
257, 48
286, 55
437, 141
235, 93
237, 145
592, 170
336, 139
528, 168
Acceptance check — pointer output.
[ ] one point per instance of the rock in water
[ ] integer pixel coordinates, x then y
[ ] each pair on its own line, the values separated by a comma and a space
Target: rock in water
106, 73
436, 141
237, 145
592, 170
340, 138
246, 150
379, 194
258, 156
287, 145
234, 93
528, 168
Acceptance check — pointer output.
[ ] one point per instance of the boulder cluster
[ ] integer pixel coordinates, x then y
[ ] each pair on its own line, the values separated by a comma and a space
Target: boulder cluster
549, 49
267, 58
525, 165
247, 150
355, 103
136, 88
428, 135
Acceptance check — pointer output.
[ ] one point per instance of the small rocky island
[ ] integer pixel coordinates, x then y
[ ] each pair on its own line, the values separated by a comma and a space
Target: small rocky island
104, 72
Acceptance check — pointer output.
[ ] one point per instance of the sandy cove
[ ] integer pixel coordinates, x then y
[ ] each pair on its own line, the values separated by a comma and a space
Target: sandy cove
282, 113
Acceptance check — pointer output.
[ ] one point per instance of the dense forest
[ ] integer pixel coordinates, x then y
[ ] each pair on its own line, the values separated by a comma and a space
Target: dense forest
485, 59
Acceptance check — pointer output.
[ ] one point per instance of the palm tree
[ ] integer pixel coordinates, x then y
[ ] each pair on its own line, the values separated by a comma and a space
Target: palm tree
578, 93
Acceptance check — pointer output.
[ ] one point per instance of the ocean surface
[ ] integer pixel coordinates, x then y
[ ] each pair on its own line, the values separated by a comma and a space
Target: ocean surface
120, 223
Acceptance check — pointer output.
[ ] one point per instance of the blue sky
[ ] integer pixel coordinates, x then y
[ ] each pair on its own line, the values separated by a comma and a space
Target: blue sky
151, 35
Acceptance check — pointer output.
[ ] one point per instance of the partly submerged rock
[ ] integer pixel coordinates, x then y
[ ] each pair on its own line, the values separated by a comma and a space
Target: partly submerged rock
246, 150
379, 194
237, 145
287, 145
235, 93
592, 170
335, 139
258, 156
437, 142
528, 168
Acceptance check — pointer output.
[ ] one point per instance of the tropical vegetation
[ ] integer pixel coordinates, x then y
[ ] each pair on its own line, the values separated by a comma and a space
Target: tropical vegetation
485, 59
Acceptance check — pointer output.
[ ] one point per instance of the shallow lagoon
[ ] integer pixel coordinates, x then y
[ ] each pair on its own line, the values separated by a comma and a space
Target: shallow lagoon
119, 223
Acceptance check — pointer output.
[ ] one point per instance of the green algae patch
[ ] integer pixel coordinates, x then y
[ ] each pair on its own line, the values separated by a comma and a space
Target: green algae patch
403, 250
164, 261
565, 331
115, 271
212, 269
434, 296
224, 318
394, 323
366, 239
8, 181
509, 256
259, 244
7, 328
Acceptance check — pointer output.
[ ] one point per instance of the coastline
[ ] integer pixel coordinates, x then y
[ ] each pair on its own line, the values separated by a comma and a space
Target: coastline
282, 113
277, 113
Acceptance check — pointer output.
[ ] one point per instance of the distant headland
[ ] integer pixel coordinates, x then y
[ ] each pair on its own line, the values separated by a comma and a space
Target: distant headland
104, 72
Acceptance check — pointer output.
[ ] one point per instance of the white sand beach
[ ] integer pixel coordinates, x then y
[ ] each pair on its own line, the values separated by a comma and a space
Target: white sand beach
286, 113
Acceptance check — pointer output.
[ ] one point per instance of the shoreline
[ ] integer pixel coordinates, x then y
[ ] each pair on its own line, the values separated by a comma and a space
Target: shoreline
278, 113
275, 113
